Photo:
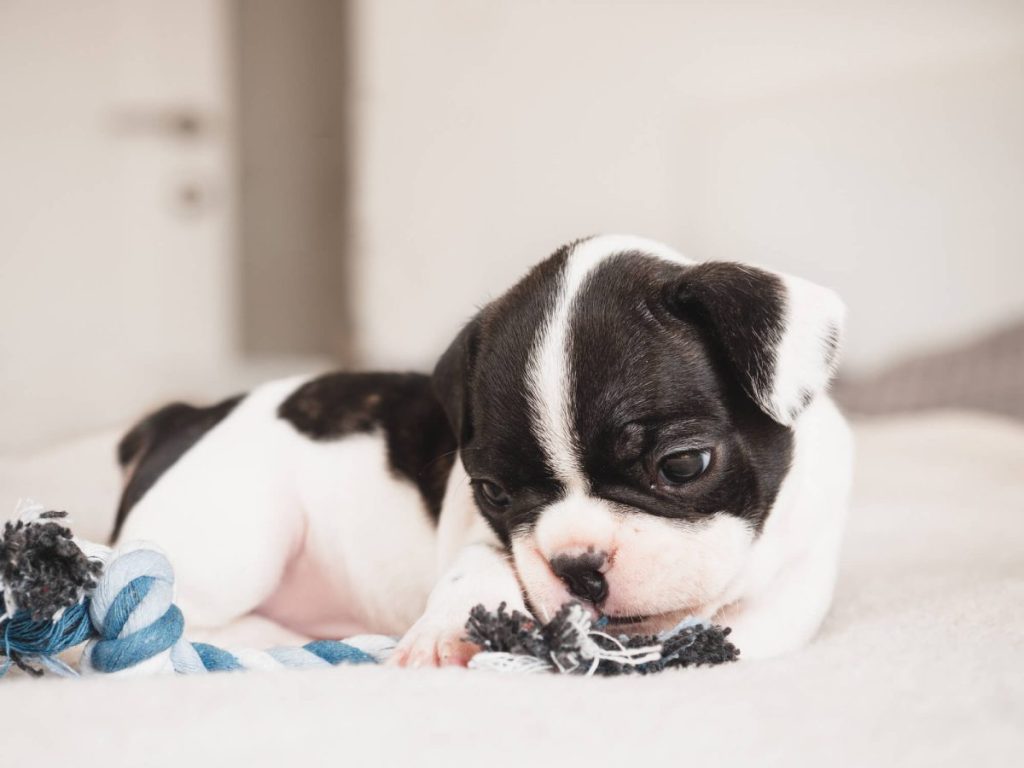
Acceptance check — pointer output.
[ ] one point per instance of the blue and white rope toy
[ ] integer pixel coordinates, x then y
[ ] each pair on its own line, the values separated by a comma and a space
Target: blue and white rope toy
58, 592
120, 603
137, 626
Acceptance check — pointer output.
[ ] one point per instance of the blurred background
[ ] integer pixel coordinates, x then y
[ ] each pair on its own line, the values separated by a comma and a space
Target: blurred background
196, 195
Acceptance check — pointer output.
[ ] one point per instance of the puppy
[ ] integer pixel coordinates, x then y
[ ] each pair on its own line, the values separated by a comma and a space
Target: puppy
625, 427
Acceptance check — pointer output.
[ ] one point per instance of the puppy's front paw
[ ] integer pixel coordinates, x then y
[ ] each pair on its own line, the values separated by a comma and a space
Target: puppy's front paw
434, 642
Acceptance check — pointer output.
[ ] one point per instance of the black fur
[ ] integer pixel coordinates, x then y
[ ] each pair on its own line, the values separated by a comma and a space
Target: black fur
654, 376
421, 445
480, 380
157, 442
743, 308
665, 357
450, 380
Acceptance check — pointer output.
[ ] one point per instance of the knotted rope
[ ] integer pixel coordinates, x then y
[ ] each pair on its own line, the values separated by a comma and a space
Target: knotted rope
127, 618
137, 626
57, 592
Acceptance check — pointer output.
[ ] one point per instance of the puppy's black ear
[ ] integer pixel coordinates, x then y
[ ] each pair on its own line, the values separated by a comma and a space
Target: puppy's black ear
780, 333
451, 379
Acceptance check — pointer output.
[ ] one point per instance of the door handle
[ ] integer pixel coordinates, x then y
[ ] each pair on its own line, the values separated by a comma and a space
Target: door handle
185, 124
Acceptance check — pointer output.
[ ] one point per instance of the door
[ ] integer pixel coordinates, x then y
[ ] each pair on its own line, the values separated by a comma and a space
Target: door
116, 200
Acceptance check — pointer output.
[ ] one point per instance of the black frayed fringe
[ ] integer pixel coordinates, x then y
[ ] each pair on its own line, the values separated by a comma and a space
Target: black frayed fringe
42, 568
559, 641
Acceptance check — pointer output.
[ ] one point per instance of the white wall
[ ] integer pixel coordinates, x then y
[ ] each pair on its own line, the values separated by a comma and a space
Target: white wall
873, 145
877, 147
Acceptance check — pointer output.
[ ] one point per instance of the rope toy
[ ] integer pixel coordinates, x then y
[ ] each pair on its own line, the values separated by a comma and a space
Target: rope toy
58, 592
572, 643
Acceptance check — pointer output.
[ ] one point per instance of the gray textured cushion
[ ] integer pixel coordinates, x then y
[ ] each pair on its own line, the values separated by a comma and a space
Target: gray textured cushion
985, 375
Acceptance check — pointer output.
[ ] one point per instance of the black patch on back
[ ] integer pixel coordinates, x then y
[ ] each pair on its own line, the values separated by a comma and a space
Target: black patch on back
157, 442
420, 442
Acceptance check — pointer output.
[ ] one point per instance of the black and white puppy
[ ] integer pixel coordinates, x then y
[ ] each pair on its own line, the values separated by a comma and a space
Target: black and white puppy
625, 427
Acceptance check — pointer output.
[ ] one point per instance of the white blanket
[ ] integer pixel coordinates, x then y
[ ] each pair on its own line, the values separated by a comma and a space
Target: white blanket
920, 663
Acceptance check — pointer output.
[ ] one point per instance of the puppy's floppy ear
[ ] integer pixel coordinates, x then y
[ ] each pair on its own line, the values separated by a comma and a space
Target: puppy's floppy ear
451, 379
780, 333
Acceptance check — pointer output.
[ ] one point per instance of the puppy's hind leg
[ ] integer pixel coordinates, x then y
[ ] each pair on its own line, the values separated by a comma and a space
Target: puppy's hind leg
226, 514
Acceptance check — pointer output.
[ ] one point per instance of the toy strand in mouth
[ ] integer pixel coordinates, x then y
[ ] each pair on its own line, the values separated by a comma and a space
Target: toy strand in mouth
623, 620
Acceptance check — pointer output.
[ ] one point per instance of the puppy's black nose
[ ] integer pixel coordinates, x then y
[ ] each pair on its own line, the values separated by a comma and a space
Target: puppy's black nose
582, 575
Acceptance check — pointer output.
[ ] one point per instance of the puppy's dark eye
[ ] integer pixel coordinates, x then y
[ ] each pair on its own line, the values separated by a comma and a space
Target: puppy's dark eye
493, 493
684, 466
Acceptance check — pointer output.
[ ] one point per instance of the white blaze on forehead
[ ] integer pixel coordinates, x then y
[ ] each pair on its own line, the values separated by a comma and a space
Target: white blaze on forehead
549, 378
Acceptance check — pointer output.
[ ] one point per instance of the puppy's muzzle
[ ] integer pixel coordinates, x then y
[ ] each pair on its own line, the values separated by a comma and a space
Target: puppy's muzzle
582, 575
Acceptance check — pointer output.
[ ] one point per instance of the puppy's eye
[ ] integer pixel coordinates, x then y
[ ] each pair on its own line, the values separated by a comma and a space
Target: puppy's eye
684, 466
493, 493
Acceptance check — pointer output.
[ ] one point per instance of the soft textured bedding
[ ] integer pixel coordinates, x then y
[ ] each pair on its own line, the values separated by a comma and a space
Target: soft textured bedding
921, 661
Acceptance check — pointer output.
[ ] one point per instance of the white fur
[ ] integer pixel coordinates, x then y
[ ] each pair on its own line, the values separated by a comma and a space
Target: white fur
550, 375
774, 590
481, 574
256, 516
779, 599
226, 512
800, 365
319, 537
362, 580
655, 567
471, 571
461, 523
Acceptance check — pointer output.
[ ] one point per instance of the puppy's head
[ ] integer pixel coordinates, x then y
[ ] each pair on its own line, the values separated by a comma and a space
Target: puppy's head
626, 418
